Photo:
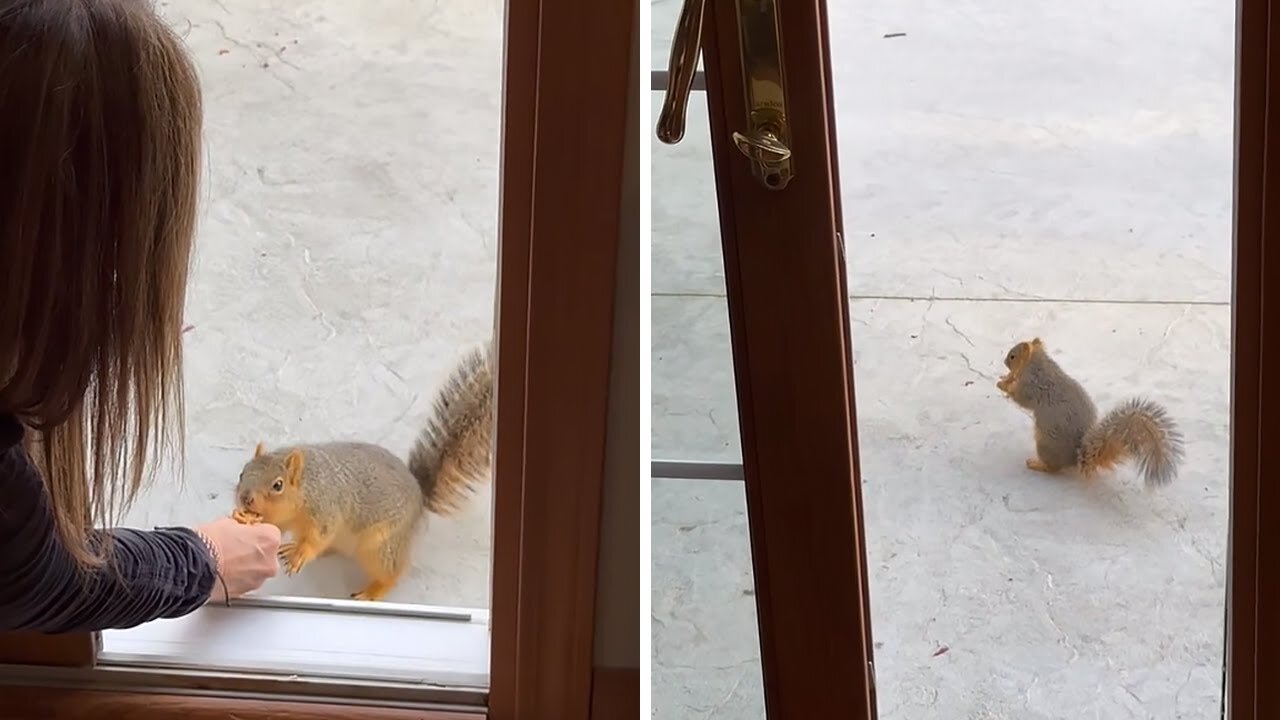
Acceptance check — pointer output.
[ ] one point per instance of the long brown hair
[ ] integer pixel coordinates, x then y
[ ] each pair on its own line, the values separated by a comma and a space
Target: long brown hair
100, 126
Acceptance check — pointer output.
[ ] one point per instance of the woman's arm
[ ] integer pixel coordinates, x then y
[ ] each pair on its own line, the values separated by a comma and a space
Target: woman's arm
157, 574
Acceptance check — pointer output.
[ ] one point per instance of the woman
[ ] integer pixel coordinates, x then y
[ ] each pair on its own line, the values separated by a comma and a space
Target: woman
100, 124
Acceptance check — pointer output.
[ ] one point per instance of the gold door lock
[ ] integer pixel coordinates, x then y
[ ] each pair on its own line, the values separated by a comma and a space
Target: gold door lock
767, 137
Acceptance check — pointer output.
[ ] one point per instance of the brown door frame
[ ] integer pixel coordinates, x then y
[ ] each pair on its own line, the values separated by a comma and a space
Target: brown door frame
789, 327
564, 134
1253, 611
568, 80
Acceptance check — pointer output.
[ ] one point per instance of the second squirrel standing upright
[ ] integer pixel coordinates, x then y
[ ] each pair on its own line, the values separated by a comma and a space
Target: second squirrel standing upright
1068, 432
361, 500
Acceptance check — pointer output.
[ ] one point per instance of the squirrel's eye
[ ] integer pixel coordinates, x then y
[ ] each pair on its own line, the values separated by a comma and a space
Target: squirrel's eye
278, 485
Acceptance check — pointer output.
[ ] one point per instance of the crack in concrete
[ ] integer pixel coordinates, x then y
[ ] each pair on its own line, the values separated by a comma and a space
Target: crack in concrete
958, 331
969, 364
256, 56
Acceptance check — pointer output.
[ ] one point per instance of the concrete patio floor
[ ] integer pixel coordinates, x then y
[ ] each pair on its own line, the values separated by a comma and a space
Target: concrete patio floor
346, 254
1007, 170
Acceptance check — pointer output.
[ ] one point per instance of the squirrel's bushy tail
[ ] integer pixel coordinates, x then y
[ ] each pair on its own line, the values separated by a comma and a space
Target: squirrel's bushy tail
452, 454
1141, 429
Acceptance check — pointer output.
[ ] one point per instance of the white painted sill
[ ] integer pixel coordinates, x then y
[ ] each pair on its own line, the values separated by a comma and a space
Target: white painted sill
308, 641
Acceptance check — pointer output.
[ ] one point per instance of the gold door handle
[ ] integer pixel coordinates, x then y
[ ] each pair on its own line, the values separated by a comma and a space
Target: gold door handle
686, 47
766, 140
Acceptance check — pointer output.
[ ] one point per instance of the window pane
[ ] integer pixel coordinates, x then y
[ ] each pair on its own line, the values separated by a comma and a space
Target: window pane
695, 415
1070, 181
706, 646
346, 256
706, 649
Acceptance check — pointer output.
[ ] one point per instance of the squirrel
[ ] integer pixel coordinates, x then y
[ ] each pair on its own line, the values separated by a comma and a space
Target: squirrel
1068, 432
361, 500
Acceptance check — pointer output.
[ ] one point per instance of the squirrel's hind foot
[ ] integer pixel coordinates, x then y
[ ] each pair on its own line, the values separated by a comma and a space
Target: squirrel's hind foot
1038, 465
376, 590
382, 554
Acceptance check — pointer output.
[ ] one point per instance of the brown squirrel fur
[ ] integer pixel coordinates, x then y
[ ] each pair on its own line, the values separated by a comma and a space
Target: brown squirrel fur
1068, 432
361, 500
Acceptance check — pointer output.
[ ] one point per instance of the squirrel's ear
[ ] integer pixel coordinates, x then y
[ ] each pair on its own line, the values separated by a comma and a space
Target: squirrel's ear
293, 466
260, 450
1036, 343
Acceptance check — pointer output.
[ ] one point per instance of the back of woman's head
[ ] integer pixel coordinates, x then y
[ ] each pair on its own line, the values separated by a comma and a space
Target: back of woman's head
100, 126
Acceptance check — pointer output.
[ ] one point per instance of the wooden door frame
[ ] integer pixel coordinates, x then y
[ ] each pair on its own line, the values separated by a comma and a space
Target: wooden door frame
1253, 555
564, 134
795, 397
803, 675
564, 150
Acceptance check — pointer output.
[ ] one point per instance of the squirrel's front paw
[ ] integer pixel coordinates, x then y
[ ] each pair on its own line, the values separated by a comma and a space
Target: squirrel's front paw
295, 556
1003, 383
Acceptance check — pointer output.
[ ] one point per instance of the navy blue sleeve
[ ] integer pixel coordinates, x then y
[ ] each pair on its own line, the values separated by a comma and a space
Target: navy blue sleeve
154, 574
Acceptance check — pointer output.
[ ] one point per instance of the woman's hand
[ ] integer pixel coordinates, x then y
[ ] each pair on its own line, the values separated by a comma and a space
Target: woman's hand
245, 554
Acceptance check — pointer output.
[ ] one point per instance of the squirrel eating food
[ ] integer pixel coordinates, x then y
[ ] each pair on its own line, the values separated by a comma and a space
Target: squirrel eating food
361, 500
1068, 432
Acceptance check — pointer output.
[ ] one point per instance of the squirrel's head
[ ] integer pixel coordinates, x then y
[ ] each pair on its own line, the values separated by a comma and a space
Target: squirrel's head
270, 485
1019, 354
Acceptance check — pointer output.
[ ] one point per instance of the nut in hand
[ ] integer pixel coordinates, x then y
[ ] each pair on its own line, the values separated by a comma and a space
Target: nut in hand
246, 517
